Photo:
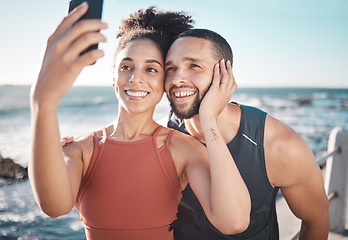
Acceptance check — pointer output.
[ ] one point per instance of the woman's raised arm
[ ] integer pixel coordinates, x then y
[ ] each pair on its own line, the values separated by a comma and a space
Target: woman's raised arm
50, 176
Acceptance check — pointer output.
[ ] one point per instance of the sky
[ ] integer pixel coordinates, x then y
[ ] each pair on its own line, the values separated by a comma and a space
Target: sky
276, 43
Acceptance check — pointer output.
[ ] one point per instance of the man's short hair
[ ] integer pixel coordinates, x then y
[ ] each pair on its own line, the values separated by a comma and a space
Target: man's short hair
221, 48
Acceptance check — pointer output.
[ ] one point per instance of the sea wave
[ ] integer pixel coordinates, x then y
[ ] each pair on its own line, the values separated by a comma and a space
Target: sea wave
88, 108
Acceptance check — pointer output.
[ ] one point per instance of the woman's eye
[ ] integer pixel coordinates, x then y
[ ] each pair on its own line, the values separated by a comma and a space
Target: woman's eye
125, 68
151, 69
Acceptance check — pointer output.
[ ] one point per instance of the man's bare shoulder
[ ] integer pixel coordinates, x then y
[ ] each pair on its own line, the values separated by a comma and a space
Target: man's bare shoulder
285, 152
281, 136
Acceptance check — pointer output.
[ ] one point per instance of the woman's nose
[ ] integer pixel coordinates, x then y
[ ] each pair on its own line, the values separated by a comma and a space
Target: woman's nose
136, 76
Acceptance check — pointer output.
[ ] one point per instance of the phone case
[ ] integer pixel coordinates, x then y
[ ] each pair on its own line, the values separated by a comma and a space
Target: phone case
95, 8
94, 11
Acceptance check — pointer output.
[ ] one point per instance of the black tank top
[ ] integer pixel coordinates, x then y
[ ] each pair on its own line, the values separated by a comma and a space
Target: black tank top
248, 153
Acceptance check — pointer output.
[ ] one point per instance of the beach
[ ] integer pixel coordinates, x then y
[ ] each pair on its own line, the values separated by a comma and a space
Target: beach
312, 112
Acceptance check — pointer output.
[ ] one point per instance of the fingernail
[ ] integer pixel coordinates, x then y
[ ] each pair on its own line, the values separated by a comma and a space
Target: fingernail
84, 4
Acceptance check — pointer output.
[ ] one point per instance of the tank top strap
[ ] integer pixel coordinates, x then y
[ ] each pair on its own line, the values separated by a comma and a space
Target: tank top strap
253, 124
170, 134
167, 139
161, 160
157, 131
97, 152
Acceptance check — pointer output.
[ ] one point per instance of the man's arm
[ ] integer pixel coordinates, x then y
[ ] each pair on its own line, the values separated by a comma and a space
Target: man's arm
291, 166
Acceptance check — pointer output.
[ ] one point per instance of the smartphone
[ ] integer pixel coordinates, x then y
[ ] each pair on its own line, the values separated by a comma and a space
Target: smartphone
95, 8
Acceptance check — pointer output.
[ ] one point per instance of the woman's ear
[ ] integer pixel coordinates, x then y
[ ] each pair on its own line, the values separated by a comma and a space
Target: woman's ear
113, 82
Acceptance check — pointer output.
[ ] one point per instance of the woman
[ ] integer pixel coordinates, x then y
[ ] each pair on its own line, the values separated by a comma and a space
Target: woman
126, 179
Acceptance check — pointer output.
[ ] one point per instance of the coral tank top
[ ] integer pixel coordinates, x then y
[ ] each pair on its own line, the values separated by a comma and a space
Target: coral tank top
130, 191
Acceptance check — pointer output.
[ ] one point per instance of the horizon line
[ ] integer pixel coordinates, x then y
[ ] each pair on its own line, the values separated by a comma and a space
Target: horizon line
246, 86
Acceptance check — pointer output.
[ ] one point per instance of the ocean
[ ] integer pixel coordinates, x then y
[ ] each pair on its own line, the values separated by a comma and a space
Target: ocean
313, 113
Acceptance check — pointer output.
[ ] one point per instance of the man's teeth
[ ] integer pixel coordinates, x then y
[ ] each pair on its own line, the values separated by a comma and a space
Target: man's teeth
183, 94
136, 94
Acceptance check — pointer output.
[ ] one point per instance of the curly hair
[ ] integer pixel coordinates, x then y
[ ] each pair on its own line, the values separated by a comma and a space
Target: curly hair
160, 27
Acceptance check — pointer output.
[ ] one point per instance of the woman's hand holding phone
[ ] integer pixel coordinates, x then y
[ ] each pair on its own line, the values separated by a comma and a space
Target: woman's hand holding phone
95, 9
63, 62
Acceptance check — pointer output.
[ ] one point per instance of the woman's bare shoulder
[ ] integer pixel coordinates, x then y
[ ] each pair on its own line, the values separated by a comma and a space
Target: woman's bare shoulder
81, 148
85, 141
185, 138
185, 144
79, 144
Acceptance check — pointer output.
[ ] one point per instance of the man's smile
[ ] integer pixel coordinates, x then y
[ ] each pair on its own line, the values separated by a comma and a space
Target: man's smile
181, 95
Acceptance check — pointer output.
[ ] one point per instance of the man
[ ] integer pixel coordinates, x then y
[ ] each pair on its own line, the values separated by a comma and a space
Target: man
269, 155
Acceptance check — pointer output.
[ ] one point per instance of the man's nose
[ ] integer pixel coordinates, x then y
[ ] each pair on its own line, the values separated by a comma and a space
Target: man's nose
179, 77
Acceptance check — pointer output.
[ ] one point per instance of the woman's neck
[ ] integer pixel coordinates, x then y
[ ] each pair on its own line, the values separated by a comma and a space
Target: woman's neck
130, 127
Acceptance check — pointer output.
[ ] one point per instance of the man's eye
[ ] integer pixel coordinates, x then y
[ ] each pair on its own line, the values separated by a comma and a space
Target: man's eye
125, 68
194, 66
168, 69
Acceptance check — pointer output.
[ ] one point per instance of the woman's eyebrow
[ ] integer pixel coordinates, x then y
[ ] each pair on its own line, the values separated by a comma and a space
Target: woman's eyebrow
147, 61
127, 59
153, 61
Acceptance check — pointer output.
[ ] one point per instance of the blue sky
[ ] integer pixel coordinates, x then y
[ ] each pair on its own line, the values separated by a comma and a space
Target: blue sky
279, 43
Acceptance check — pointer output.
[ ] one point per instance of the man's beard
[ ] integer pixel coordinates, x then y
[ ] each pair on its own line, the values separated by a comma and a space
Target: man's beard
194, 109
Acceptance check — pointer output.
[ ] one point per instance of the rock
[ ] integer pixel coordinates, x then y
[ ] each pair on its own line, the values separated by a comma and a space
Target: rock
11, 170
304, 101
345, 103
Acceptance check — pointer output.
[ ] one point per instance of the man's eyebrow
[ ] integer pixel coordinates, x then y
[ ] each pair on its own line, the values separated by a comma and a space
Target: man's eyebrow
186, 59
191, 59
168, 63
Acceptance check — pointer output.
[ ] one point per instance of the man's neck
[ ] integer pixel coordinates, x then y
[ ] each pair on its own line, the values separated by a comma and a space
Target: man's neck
194, 127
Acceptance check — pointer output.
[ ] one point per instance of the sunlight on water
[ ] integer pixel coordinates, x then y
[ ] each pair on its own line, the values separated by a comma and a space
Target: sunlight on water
312, 113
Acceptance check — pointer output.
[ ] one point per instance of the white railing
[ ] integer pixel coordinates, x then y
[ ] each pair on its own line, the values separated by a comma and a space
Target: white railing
336, 179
